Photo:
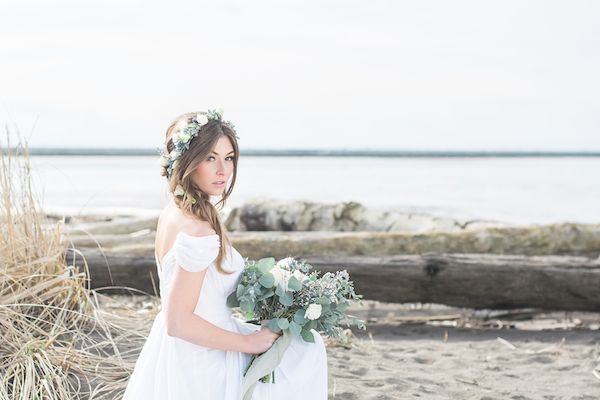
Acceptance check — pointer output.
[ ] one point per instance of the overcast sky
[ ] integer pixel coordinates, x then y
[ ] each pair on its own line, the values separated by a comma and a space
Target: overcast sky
403, 75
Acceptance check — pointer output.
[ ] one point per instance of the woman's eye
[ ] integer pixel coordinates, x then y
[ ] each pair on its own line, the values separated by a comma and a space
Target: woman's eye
228, 158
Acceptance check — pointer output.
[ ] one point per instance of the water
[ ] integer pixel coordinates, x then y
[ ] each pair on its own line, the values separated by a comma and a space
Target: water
518, 190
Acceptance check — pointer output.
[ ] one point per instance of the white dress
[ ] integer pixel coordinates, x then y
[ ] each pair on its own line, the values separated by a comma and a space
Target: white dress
170, 368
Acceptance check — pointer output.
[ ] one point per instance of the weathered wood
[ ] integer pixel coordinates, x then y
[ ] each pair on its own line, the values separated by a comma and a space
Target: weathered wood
464, 280
117, 272
562, 239
475, 280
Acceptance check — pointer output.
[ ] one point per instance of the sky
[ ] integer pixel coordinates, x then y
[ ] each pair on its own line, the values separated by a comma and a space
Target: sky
357, 75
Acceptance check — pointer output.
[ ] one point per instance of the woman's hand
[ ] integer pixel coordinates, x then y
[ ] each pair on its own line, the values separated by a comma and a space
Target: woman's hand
261, 340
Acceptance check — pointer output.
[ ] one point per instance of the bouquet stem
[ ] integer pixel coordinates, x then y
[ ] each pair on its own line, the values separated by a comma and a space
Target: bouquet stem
262, 367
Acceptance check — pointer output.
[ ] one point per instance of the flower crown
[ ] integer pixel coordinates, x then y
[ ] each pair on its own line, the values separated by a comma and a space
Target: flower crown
186, 130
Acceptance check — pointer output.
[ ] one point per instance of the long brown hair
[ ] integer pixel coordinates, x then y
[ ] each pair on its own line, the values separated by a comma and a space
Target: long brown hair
199, 149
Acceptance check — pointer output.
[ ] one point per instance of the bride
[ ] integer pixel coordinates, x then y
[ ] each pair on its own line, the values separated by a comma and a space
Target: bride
196, 348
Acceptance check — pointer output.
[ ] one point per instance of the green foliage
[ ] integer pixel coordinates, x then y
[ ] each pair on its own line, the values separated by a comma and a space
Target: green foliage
294, 284
232, 300
279, 293
267, 280
283, 323
307, 335
286, 299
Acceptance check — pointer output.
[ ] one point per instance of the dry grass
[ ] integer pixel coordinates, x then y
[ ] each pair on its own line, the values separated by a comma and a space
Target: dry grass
56, 339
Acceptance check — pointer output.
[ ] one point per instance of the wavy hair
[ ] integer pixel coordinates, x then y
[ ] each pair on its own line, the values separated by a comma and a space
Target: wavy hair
200, 147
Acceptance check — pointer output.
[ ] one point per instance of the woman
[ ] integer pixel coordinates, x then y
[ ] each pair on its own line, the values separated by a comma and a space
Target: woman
196, 349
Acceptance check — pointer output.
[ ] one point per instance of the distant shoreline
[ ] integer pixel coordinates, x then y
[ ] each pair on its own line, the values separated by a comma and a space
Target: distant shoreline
319, 153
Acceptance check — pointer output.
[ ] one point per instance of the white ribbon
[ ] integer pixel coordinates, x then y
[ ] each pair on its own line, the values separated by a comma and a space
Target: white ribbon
265, 364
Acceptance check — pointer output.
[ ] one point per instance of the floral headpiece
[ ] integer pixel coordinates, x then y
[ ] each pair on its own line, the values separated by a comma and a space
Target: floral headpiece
185, 131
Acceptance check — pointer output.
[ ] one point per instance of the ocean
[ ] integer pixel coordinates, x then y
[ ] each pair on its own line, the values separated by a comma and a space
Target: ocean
520, 190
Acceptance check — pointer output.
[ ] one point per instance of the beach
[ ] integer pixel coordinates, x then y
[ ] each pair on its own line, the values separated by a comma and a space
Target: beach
432, 351
410, 349
420, 350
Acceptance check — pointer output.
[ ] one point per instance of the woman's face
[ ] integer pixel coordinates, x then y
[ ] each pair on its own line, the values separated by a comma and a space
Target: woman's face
213, 173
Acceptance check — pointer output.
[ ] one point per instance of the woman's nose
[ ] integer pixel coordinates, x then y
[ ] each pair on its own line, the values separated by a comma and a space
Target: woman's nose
221, 167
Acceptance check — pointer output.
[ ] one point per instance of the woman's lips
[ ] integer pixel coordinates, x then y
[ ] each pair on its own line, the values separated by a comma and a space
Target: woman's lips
219, 183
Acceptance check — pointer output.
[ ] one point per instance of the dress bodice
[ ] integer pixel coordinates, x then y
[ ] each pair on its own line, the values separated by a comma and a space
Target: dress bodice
195, 254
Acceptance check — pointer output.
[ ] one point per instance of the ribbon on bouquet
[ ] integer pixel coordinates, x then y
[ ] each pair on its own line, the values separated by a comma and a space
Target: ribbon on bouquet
265, 364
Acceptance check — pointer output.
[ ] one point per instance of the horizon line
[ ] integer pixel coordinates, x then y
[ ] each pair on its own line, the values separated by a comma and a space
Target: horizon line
98, 151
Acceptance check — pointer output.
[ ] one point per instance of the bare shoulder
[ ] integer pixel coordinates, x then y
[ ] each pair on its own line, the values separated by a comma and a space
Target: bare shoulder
196, 227
180, 222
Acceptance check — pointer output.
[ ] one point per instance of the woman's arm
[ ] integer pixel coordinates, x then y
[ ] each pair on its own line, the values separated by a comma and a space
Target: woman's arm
184, 324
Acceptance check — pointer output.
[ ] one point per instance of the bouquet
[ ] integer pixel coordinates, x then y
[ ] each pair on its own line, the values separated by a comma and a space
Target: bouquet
287, 297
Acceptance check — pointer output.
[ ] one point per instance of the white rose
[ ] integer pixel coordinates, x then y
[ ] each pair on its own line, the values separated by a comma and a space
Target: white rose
164, 161
299, 275
285, 262
173, 154
313, 311
184, 137
281, 277
201, 119
179, 191
277, 274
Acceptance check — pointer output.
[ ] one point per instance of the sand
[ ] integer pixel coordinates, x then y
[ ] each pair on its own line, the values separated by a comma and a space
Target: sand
432, 351
539, 356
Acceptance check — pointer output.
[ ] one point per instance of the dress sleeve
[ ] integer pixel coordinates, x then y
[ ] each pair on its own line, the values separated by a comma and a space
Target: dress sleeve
195, 253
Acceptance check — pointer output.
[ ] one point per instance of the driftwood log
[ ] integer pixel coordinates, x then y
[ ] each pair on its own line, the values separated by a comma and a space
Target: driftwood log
560, 239
463, 280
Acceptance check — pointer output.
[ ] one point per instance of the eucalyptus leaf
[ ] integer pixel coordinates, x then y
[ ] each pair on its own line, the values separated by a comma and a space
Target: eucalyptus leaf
295, 328
273, 325
286, 299
279, 291
283, 323
247, 306
294, 284
299, 316
266, 295
232, 300
240, 290
264, 265
307, 335
267, 280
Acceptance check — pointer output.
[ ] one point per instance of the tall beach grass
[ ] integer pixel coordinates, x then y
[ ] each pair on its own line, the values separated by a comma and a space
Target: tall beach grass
58, 338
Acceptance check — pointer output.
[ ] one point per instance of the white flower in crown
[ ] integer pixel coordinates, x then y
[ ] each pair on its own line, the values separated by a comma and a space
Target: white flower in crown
201, 119
184, 137
174, 154
313, 311
164, 161
179, 191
